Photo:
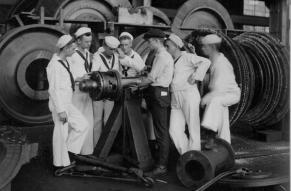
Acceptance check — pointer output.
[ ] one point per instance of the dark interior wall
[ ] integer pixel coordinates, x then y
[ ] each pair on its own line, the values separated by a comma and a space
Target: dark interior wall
169, 4
4, 10
228, 4
235, 7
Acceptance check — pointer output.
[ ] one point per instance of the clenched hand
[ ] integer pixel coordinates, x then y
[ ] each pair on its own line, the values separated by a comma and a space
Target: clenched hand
63, 117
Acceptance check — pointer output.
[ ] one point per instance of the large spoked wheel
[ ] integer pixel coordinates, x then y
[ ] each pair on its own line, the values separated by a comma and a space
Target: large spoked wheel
202, 14
24, 54
85, 10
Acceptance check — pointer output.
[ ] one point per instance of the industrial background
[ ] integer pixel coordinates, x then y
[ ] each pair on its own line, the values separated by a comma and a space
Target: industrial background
256, 36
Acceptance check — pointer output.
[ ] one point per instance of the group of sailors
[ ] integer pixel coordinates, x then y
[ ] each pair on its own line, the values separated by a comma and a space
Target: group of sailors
172, 97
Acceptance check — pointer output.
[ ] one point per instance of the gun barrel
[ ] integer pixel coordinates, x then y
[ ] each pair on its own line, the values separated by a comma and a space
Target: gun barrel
87, 85
125, 82
107, 85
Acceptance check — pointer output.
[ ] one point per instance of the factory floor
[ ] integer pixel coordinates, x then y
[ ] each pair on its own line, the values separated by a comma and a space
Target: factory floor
37, 175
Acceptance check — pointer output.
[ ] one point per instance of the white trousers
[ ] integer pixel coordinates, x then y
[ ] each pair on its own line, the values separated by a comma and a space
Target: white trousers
83, 103
102, 110
185, 109
69, 136
216, 114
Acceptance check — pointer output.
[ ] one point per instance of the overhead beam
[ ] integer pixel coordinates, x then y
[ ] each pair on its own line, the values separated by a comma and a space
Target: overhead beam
250, 20
236, 19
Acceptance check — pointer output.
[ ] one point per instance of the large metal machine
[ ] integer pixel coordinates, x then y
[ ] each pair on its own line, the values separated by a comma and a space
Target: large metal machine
25, 71
30, 28
126, 114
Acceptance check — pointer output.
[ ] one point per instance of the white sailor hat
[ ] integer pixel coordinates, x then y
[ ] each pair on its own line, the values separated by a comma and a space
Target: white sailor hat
177, 40
81, 31
211, 39
111, 41
64, 40
126, 34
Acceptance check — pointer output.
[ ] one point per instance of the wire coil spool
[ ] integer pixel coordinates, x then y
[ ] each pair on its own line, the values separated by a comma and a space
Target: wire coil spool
202, 14
261, 67
270, 61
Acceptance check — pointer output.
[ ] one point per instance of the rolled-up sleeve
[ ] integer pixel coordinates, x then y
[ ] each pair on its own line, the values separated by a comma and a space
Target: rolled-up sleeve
162, 70
201, 64
154, 71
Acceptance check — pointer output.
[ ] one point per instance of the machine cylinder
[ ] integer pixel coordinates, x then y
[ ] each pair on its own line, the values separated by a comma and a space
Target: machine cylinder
194, 168
107, 85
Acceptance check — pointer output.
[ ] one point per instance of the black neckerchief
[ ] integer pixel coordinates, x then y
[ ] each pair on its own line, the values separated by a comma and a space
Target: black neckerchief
70, 73
150, 60
126, 68
177, 59
88, 66
105, 61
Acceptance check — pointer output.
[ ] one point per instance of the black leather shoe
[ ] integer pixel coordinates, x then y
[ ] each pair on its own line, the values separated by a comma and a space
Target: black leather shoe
72, 156
158, 171
59, 171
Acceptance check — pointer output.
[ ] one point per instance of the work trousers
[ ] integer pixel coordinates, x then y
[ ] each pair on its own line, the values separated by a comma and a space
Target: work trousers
148, 121
102, 110
158, 102
216, 114
69, 136
185, 109
83, 103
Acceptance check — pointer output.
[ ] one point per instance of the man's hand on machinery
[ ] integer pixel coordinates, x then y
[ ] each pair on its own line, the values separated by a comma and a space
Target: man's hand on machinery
63, 117
145, 70
85, 77
143, 73
145, 81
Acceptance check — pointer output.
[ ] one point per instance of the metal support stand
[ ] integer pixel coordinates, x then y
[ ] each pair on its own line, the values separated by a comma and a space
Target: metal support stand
126, 113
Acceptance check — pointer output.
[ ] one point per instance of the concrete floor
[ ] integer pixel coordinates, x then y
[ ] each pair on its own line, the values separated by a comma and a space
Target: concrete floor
38, 174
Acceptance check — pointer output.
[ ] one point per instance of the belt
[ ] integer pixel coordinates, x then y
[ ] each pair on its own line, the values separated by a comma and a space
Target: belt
160, 87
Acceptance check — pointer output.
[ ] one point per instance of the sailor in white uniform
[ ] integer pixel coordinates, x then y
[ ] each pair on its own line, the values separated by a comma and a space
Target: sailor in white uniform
130, 61
81, 65
188, 70
71, 127
104, 60
224, 90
